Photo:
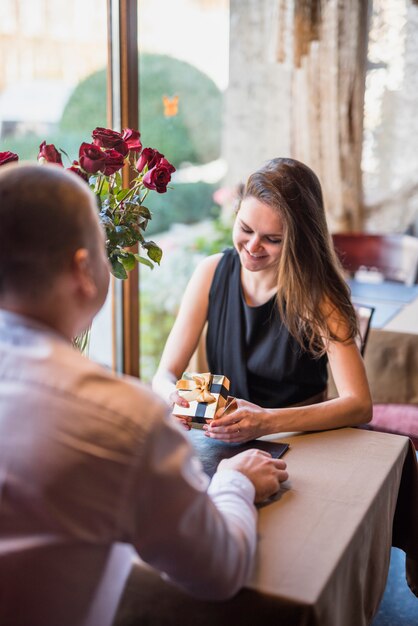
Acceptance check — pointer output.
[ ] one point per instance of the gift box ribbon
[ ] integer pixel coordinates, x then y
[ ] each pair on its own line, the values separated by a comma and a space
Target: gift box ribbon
196, 389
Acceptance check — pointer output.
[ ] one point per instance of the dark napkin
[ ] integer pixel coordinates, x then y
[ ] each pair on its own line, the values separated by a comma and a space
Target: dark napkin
212, 451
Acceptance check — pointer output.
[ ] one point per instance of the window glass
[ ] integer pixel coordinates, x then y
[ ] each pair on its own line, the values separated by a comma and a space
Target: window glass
53, 88
183, 79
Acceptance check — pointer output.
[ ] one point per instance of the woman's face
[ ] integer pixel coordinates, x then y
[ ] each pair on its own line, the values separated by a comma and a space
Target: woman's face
257, 235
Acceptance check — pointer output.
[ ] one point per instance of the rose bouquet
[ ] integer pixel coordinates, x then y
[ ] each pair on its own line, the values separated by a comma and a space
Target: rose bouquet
121, 209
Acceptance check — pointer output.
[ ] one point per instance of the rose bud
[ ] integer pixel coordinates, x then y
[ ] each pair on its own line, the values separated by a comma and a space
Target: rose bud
114, 161
75, 167
159, 176
149, 157
132, 139
108, 138
8, 157
49, 154
91, 158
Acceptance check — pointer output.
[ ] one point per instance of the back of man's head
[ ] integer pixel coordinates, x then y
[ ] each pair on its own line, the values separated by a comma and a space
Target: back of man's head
46, 214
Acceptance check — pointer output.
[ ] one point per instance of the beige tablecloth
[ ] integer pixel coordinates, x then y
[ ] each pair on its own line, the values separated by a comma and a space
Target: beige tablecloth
324, 543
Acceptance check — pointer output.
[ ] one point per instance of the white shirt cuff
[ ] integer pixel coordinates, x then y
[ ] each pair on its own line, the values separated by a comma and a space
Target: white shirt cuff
226, 479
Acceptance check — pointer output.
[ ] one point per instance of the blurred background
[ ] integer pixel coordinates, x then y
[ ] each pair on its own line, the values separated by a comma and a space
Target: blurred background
223, 86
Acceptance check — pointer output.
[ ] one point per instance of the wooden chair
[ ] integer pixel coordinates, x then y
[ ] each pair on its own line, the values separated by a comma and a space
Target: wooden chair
394, 256
364, 316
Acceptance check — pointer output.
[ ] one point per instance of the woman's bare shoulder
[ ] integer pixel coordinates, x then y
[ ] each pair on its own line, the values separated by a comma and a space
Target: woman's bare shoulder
209, 264
201, 279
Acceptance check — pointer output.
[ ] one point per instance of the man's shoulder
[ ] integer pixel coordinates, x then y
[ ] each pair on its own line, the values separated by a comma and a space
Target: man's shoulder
97, 391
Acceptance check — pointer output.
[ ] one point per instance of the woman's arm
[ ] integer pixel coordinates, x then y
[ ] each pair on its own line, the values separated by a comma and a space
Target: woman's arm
187, 328
353, 405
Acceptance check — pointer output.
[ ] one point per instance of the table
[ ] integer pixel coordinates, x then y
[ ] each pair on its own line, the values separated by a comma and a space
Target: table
324, 543
391, 355
390, 300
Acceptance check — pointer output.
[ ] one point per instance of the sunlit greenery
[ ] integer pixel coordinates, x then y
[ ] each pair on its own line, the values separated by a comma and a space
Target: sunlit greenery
192, 136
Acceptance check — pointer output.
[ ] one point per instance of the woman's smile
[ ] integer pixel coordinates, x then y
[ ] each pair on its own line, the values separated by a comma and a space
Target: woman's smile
257, 235
255, 256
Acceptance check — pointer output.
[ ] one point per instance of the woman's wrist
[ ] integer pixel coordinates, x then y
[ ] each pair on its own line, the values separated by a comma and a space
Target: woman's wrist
272, 422
164, 384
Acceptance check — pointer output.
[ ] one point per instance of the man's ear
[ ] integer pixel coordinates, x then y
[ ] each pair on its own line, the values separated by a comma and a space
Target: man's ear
83, 274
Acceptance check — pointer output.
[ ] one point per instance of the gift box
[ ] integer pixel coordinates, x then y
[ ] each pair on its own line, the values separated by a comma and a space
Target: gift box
206, 393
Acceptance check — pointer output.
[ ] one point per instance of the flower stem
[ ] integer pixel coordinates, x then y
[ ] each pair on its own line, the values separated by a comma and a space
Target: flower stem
129, 193
99, 185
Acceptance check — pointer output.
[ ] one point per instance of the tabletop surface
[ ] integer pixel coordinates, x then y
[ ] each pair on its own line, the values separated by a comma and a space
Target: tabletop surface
387, 290
390, 301
335, 480
323, 543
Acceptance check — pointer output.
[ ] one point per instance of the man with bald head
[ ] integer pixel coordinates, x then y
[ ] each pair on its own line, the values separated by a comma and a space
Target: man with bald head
52, 252
93, 466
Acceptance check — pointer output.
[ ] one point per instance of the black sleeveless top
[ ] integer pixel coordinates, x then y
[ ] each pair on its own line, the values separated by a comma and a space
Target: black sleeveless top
253, 348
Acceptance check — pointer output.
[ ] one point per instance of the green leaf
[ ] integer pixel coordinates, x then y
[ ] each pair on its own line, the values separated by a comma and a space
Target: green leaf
144, 225
145, 212
144, 261
117, 269
121, 194
128, 261
104, 188
154, 252
120, 235
117, 177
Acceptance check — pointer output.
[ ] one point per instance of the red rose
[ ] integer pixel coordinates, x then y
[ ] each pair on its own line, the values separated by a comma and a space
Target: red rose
149, 157
107, 138
159, 176
8, 157
49, 153
76, 169
91, 158
114, 161
132, 139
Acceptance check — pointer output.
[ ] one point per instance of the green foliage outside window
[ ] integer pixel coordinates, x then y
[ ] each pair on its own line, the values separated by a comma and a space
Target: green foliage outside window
193, 136
187, 203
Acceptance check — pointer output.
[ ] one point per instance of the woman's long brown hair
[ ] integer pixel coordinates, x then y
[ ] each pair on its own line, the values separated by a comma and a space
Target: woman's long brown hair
310, 280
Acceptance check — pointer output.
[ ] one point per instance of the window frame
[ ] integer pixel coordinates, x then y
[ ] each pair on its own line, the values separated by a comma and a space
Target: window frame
123, 112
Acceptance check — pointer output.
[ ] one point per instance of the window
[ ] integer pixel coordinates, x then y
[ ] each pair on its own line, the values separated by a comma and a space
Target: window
183, 75
53, 88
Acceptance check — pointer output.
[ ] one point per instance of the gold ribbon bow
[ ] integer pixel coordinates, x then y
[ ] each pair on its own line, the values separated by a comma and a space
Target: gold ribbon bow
196, 389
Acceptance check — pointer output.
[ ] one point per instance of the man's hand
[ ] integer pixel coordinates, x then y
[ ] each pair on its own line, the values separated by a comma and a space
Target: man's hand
265, 473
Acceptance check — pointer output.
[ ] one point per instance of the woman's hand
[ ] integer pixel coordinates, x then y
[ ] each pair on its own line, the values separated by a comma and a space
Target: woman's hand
240, 421
185, 420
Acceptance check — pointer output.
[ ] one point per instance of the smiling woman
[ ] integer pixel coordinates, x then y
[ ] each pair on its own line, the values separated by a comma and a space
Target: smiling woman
277, 310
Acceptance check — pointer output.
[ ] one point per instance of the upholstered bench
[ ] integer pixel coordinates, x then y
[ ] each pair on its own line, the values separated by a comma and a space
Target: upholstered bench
400, 419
